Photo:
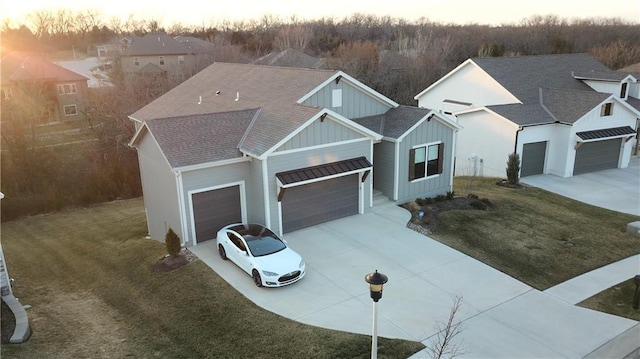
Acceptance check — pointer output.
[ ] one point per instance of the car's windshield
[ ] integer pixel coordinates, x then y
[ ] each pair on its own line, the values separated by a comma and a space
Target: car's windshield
263, 245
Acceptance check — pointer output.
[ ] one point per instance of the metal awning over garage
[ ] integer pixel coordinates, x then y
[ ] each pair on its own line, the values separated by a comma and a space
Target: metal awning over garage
322, 172
607, 133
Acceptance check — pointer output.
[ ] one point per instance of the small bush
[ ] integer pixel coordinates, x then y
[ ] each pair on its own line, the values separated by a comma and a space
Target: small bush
513, 168
420, 201
172, 242
450, 195
472, 196
441, 198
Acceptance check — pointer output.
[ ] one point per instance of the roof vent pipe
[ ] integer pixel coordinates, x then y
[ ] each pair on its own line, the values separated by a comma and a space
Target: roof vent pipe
199, 100
237, 96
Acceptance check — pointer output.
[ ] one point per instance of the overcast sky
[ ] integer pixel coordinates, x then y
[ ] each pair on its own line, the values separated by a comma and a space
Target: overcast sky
211, 12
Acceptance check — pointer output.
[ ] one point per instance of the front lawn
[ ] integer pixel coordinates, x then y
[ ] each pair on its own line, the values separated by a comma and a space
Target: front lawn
533, 235
88, 276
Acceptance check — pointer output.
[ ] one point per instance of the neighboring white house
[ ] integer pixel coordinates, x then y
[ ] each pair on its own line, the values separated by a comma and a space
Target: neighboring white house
563, 114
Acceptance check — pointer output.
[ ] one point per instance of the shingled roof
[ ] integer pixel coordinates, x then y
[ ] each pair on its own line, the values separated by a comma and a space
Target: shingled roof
549, 86
395, 122
155, 44
17, 67
226, 87
523, 76
201, 138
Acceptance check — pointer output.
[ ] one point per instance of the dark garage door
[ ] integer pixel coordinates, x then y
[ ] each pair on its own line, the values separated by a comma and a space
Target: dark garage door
597, 156
215, 209
533, 158
306, 205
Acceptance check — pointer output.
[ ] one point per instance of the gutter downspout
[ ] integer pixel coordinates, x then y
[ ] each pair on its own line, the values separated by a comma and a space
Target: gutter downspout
515, 146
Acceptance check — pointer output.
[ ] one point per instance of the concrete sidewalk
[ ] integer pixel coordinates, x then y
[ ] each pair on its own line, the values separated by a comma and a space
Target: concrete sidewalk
503, 318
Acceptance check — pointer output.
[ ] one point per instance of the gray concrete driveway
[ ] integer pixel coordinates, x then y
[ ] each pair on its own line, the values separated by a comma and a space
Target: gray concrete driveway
503, 318
616, 189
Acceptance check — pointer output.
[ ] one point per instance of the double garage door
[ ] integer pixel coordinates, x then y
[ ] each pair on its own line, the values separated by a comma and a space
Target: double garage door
314, 203
215, 209
590, 157
597, 156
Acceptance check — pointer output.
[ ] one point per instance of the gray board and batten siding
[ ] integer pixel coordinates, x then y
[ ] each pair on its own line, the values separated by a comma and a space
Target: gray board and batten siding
384, 160
320, 132
432, 131
355, 102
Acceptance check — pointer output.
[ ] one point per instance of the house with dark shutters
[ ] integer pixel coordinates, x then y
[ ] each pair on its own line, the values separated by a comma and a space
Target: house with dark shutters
563, 114
285, 147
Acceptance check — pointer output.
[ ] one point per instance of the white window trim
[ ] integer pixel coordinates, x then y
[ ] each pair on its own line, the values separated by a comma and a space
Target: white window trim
426, 145
70, 114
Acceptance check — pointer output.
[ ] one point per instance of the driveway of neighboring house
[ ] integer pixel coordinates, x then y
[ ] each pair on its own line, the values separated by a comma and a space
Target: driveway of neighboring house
503, 317
617, 189
89, 68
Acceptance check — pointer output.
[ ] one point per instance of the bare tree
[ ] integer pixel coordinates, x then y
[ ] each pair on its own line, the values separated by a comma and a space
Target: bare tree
293, 37
444, 344
618, 54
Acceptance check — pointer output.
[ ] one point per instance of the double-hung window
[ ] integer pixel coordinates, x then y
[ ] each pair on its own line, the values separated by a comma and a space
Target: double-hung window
426, 161
67, 89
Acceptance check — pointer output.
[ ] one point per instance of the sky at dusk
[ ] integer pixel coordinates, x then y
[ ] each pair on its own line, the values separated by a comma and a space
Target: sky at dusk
211, 12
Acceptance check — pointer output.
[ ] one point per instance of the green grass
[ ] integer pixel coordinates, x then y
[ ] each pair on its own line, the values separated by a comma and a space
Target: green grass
87, 273
525, 232
617, 300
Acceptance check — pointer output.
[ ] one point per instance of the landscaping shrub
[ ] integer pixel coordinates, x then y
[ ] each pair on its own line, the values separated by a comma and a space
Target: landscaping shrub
513, 168
172, 242
450, 195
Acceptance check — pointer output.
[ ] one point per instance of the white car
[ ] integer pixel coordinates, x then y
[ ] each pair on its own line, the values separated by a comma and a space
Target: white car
261, 253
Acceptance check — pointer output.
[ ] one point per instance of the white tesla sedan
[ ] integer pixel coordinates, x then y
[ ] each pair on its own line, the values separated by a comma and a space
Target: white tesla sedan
261, 253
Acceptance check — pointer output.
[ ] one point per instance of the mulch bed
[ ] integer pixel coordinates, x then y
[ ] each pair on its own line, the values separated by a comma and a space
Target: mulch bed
169, 263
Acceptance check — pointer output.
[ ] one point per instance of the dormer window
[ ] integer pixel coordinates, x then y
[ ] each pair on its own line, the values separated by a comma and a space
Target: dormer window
623, 90
606, 109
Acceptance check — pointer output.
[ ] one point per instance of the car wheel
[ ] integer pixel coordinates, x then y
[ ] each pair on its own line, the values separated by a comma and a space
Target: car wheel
223, 254
256, 278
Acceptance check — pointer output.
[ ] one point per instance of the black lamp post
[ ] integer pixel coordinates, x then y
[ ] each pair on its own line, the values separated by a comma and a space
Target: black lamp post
376, 281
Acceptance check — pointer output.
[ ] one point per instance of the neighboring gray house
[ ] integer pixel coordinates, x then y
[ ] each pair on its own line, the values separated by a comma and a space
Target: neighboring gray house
286, 147
563, 114
158, 54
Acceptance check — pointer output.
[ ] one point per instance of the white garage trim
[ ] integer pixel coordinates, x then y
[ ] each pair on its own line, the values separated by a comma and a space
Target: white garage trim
243, 204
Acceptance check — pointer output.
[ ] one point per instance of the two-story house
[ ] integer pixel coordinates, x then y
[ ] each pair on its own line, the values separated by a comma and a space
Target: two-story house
563, 114
159, 55
53, 92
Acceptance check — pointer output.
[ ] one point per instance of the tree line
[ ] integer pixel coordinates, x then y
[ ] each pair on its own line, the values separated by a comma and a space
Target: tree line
396, 57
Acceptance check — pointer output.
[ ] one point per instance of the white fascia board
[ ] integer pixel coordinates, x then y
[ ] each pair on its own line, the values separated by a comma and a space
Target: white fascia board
378, 96
136, 135
623, 103
497, 115
200, 166
443, 78
337, 117
135, 119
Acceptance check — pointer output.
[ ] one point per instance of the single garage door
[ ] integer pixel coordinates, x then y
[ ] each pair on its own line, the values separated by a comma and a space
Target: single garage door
597, 156
310, 204
215, 209
533, 155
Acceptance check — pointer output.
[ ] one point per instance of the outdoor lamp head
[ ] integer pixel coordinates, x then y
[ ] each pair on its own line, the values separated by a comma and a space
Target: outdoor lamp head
376, 281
